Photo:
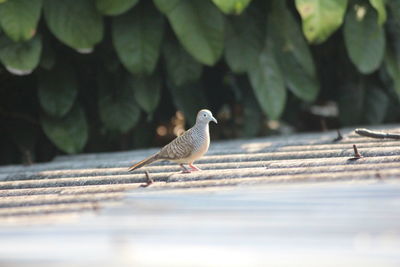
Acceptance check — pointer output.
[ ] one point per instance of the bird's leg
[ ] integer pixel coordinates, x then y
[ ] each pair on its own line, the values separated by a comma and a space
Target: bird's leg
185, 170
194, 168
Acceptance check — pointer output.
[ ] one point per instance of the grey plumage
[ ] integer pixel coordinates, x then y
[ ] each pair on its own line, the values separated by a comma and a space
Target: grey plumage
188, 147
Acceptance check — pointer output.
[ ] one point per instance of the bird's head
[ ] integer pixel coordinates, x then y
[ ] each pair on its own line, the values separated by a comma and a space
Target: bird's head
205, 116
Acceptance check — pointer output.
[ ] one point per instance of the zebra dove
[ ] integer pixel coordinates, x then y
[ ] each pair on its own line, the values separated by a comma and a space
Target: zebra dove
188, 147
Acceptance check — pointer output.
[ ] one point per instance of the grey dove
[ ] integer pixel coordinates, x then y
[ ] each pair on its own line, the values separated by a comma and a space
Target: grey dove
186, 148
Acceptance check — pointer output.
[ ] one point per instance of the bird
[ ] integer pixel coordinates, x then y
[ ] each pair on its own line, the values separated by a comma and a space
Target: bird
186, 148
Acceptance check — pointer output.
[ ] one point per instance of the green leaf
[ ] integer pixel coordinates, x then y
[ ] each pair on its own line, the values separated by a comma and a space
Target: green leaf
321, 18
181, 67
379, 6
268, 84
376, 103
362, 102
283, 27
364, 38
58, 89
69, 133
244, 41
189, 99
199, 26
394, 9
293, 54
19, 18
116, 101
48, 57
20, 58
109, 58
166, 6
75, 23
351, 103
393, 68
147, 90
393, 28
252, 116
302, 84
137, 38
114, 7
232, 6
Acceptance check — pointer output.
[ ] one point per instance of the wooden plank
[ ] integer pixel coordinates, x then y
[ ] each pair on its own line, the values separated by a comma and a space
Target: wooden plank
256, 201
329, 224
206, 166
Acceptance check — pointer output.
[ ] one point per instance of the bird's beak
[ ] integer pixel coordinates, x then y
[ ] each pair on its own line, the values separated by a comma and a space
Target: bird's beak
214, 120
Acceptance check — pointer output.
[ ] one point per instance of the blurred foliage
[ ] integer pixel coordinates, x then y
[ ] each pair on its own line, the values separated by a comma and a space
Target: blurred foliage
101, 75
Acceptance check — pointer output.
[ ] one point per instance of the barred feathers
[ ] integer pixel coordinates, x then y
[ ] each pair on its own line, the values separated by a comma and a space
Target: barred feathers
143, 162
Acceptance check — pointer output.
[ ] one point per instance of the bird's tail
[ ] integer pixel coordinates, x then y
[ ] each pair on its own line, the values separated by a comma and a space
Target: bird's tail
143, 162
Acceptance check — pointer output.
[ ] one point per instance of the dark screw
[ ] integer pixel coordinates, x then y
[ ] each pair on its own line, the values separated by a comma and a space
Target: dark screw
149, 180
356, 154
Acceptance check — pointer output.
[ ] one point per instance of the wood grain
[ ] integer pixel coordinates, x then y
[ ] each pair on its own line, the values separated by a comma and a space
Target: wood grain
278, 201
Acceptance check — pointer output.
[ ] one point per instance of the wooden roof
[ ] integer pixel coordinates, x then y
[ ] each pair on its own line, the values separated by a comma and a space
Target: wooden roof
288, 200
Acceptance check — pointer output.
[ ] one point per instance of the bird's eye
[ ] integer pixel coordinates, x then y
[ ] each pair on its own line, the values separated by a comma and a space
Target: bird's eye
205, 115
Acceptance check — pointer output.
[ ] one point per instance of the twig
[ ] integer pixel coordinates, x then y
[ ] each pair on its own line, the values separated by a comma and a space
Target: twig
356, 154
375, 134
339, 136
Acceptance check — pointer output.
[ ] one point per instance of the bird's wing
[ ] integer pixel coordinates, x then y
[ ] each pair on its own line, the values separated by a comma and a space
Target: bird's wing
180, 148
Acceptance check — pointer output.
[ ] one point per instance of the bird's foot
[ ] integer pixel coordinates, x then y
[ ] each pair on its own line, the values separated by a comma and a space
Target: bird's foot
194, 168
184, 169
